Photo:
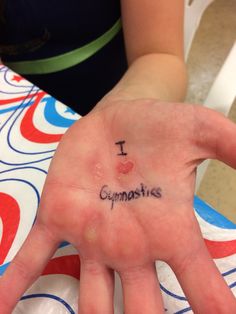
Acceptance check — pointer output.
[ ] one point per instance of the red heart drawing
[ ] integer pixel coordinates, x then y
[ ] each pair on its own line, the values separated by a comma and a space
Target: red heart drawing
125, 167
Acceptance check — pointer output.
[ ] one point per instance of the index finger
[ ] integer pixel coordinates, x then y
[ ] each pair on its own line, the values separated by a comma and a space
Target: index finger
26, 267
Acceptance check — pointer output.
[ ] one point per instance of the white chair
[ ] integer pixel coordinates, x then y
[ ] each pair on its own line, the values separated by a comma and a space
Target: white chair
194, 10
223, 90
221, 96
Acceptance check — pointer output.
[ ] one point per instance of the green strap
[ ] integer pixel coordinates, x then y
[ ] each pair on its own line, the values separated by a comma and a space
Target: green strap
66, 60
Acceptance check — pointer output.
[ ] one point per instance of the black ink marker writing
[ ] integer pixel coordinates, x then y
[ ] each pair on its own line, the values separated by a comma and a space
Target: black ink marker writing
142, 191
121, 143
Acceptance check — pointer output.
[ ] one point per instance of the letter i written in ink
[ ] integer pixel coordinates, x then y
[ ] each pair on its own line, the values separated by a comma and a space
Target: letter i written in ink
121, 144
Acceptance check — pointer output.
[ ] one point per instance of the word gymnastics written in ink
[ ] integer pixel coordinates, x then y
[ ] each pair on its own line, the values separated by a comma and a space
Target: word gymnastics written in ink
126, 196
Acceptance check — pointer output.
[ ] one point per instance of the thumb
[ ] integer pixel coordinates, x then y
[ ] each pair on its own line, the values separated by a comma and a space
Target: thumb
217, 135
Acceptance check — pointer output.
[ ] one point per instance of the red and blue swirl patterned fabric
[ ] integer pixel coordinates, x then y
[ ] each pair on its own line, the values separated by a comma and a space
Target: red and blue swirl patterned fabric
31, 125
220, 237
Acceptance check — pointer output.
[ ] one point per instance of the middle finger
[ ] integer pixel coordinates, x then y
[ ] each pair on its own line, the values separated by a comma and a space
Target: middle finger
141, 290
96, 288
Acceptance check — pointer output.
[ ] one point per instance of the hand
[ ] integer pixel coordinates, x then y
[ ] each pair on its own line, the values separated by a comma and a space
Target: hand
120, 189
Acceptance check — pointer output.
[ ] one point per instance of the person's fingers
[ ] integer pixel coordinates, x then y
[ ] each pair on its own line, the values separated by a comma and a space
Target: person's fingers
26, 267
216, 134
202, 283
96, 288
141, 290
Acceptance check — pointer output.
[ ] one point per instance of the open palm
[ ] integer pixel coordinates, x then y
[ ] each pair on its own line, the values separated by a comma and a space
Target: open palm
120, 189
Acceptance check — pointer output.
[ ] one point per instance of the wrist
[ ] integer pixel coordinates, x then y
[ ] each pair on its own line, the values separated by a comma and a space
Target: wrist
154, 76
158, 75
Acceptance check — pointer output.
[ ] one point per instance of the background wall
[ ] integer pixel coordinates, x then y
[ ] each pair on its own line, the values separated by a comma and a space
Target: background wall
211, 45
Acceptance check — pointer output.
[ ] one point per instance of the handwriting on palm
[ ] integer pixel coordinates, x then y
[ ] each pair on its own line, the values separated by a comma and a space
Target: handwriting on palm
120, 189
91, 160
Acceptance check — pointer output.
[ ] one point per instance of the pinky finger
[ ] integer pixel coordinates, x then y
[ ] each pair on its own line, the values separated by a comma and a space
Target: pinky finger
26, 267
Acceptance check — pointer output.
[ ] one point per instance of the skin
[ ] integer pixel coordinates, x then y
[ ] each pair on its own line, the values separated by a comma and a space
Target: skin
153, 225
165, 141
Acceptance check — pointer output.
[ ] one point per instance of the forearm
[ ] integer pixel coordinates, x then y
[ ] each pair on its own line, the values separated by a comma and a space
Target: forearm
158, 76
